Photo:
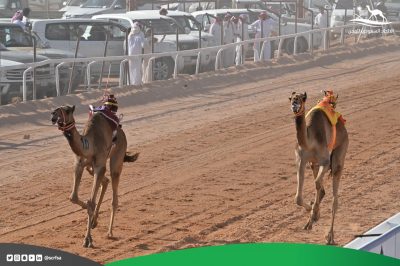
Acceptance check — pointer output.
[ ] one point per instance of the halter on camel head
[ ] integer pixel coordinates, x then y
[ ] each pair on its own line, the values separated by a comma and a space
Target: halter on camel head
297, 101
61, 115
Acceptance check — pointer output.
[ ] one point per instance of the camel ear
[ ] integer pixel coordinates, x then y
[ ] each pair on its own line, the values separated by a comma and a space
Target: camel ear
73, 108
305, 96
293, 93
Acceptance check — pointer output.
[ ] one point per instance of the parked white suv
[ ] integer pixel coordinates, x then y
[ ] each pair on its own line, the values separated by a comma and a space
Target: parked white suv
205, 17
167, 32
63, 34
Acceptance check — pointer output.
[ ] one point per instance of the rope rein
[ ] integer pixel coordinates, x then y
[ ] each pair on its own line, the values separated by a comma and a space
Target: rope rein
63, 126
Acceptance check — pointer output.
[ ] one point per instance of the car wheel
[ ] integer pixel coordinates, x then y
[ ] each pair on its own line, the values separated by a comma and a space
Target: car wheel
163, 68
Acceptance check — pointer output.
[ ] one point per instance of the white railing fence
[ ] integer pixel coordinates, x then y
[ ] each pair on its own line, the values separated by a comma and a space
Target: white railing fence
316, 35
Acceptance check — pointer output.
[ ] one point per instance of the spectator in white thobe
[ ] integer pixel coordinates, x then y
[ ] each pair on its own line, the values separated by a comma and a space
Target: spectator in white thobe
321, 20
215, 30
136, 42
263, 27
243, 35
228, 55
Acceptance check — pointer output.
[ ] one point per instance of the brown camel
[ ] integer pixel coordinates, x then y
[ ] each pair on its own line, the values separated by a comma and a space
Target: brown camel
314, 133
92, 149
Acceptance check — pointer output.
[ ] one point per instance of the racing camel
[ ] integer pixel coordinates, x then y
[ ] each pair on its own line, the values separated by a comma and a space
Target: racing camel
322, 144
92, 150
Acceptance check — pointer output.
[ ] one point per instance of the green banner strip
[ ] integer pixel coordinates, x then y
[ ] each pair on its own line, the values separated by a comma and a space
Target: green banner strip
279, 254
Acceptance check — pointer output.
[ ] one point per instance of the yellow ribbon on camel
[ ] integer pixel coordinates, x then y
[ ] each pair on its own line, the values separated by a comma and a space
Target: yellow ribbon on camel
327, 105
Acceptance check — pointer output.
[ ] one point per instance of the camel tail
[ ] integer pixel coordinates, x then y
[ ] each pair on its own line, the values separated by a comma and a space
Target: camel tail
130, 158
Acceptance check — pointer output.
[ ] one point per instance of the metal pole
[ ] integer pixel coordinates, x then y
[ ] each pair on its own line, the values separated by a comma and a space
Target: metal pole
78, 37
102, 64
295, 19
199, 36
34, 70
177, 39
152, 51
327, 25
222, 33
312, 27
243, 57
279, 27
127, 75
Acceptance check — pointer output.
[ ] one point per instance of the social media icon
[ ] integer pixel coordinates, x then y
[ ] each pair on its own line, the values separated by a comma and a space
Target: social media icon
24, 257
31, 257
17, 257
39, 257
10, 257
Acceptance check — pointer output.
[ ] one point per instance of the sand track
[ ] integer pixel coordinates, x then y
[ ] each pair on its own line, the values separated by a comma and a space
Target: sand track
217, 159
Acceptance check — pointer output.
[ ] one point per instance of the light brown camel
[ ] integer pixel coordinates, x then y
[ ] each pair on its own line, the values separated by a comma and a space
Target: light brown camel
314, 133
92, 150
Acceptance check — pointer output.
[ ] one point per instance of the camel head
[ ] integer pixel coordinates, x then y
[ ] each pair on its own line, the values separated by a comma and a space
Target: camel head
64, 118
297, 102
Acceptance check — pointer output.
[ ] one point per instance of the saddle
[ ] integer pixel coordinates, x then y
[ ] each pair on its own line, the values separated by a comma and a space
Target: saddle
328, 105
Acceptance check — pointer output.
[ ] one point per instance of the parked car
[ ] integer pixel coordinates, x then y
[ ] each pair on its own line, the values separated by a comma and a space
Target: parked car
39, 8
11, 79
205, 17
63, 34
89, 8
166, 31
15, 39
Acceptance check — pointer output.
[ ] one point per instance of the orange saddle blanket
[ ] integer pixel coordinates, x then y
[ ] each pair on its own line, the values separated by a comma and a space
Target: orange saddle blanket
333, 117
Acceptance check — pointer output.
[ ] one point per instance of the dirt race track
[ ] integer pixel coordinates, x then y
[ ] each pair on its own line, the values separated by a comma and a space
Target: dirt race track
216, 159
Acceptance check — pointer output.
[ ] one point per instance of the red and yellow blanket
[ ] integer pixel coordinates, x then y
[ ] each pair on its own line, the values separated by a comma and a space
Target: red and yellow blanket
327, 107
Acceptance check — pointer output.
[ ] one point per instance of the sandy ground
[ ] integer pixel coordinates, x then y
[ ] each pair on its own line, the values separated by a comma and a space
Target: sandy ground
217, 159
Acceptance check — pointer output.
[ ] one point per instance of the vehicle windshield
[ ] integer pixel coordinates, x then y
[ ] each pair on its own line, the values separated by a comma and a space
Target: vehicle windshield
319, 3
186, 22
74, 2
14, 37
162, 26
98, 3
393, 1
3, 4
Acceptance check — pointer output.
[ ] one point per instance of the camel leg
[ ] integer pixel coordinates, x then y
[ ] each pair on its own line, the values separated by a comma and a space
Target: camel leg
301, 166
99, 171
314, 215
338, 158
104, 185
114, 203
315, 169
79, 166
335, 203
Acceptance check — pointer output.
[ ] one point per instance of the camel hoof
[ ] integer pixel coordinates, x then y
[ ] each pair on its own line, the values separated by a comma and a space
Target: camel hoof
94, 224
308, 225
329, 239
110, 235
88, 243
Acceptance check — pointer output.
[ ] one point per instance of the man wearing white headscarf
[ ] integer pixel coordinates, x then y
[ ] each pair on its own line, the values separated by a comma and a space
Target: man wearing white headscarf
228, 55
243, 35
263, 26
215, 30
136, 41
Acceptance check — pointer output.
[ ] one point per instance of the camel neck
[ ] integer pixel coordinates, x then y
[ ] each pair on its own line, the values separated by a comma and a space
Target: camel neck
301, 131
76, 142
